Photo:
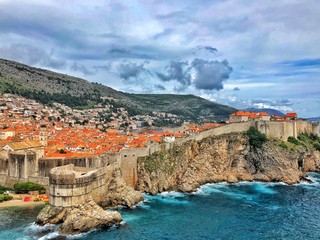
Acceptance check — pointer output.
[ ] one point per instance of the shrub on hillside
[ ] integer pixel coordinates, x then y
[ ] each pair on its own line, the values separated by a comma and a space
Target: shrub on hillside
3, 189
314, 137
317, 146
28, 186
293, 140
256, 138
5, 197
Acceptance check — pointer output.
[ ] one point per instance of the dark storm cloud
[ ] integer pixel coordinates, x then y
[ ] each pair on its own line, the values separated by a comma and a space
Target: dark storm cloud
177, 70
210, 75
131, 70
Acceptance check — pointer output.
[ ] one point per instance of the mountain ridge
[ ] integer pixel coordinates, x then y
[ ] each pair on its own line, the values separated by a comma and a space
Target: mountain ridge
47, 86
270, 111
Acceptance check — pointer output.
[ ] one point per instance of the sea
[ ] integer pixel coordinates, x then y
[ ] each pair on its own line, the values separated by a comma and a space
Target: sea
246, 210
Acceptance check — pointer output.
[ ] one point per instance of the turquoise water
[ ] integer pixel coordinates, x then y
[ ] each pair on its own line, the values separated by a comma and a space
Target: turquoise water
215, 211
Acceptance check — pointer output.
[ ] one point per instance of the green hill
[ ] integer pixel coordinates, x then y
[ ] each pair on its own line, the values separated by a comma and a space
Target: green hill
47, 86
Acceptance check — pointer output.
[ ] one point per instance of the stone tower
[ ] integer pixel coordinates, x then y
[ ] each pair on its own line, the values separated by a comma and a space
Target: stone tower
43, 135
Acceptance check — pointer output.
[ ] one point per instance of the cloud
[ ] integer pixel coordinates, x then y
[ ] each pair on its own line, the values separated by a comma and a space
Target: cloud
31, 55
159, 87
177, 70
210, 75
164, 33
130, 70
273, 103
303, 63
81, 68
138, 52
209, 49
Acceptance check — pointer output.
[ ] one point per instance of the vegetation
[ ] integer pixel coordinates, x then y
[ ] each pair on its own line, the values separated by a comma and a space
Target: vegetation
293, 140
5, 197
306, 141
317, 146
28, 186
256, 138
3, 189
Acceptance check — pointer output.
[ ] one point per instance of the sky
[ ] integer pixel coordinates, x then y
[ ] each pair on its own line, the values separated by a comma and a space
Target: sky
262, 54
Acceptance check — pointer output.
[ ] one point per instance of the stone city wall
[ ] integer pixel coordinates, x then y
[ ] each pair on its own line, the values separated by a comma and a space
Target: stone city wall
71, 186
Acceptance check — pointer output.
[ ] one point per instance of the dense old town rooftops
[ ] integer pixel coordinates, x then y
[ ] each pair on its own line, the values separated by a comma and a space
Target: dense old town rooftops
25, 124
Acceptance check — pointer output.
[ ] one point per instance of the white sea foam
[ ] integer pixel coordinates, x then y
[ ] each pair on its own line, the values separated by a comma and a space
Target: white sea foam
207, 189
37, 228
173, 194
80, 235
130, 218
263, 188
51, 235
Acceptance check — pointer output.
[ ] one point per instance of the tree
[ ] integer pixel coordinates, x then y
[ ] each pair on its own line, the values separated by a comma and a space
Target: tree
256, 138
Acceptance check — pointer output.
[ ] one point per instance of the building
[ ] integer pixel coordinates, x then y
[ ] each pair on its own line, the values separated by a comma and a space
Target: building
291, 116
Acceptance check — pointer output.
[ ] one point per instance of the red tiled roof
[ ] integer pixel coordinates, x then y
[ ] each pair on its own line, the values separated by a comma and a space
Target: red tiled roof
291, 114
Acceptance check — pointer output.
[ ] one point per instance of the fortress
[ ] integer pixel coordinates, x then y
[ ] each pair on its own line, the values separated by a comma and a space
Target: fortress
71, 180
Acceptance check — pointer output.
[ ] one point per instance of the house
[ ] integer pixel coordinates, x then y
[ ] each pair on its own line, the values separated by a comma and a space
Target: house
5, 133
264, 116
240, 116
291, 116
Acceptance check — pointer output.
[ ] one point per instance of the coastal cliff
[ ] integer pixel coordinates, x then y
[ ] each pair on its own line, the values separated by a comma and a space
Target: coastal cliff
227, 158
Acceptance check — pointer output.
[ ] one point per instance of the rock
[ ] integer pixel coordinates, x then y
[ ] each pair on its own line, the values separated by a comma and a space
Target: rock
87, 217
232, 179
78, 219
228, 157
51, 214
120, 194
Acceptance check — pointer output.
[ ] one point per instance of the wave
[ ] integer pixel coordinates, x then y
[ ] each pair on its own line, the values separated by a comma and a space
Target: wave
314, 178
231, 188
52, 235
263, 188
171, 197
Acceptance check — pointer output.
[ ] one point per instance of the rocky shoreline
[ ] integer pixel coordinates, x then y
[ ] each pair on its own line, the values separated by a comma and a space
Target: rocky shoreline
78, 219
226, 158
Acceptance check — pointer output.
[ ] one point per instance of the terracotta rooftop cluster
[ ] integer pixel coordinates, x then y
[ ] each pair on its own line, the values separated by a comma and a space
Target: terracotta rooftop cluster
257, 115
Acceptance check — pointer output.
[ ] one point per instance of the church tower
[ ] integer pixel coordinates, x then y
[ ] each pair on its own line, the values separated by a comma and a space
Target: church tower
43, 135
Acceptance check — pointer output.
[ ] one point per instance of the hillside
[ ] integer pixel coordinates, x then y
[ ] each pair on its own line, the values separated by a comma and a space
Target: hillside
270, 111
47, 86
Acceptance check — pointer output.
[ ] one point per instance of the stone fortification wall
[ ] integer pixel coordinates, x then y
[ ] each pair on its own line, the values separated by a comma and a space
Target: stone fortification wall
46, 164
70, 185
225, 129
283, 130
4, 162
128, 163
